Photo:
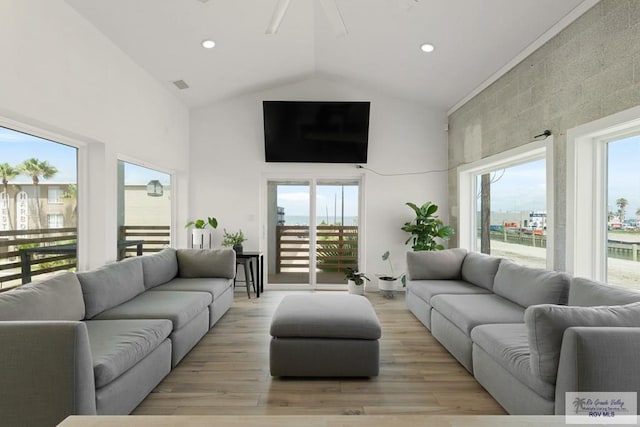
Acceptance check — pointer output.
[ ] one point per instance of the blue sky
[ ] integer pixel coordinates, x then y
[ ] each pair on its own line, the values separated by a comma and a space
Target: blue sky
522, 187
624, 174
16, 147
519, 188
295, 200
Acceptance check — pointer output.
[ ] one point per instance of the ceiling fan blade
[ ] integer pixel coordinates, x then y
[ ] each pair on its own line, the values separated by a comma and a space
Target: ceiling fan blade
278, 14
334, 16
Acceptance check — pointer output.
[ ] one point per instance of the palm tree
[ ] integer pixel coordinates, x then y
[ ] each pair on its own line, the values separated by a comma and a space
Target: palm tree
622, 204
8, 172
35, 169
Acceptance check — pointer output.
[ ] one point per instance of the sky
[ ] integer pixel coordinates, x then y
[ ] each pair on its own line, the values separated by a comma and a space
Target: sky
16, 147
295, 200
624, 174
523, 188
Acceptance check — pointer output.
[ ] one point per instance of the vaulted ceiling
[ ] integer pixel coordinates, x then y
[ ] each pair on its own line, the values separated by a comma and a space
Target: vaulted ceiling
473, 39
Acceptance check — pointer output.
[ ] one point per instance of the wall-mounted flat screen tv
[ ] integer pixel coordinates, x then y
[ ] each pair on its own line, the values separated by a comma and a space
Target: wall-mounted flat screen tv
317, 132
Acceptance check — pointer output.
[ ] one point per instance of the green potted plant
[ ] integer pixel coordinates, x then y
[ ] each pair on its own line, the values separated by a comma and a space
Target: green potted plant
387, 283
200, 235
234, 240
426, 228
355, 281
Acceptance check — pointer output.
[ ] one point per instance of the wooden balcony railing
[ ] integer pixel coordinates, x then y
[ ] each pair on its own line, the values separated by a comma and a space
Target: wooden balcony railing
13, 240
155, 238
336, 247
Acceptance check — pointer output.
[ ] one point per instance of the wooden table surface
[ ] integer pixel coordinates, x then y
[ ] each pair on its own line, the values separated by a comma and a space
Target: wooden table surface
314, 421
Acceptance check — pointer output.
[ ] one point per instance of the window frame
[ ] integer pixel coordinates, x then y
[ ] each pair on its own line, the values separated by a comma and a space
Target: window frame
58, 192
586, 248
467, 190
57, 216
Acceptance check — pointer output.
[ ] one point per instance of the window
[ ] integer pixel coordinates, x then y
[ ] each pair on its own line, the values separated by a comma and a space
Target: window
506, 205
55, 221
511, 217
603, 198
623, 211
144, 208
31, 205
55, 195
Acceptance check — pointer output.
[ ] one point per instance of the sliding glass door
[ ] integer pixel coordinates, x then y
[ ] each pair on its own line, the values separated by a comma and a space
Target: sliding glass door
336, 230
312, 231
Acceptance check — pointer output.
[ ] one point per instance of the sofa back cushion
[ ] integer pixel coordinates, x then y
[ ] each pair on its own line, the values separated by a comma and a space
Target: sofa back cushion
435, 265
587, 293
56, 298
546, 325
159, 268
111, 285
480, 269
206, 263
530, 286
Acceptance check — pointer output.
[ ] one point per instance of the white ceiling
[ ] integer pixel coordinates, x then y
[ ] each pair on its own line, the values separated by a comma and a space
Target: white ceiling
474, 39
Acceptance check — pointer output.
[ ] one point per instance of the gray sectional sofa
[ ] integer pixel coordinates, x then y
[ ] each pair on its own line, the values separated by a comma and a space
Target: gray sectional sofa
98, 342
527, 335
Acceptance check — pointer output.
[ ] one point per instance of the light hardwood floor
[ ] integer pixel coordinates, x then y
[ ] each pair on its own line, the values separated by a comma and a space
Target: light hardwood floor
227, 373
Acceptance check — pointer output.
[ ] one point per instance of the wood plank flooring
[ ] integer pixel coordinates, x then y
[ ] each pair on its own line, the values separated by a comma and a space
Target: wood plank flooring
227, 373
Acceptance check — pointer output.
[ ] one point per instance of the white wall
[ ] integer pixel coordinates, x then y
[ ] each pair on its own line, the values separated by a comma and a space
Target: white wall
61, 77
228, 171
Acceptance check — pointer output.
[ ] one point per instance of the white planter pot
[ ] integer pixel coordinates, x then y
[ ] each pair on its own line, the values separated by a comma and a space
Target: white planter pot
355, 289
387, 287
201, 238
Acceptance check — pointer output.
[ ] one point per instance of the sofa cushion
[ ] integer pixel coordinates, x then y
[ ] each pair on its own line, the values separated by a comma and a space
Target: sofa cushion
530, 286
427, 289
56, 298
179, 307
118, 345
587, 293
214, 286
206, 263
110, 285
435, 265
508, 345
325, 316
159, 268
480, 269
546, 325
469, 311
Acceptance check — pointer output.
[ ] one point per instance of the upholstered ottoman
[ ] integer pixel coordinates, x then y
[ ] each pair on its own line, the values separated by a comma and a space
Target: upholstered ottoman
331, 335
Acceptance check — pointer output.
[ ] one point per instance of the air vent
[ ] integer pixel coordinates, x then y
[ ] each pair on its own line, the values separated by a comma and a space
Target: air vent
181, 84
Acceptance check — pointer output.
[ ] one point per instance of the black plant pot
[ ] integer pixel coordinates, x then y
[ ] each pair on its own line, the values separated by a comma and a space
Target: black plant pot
237, 248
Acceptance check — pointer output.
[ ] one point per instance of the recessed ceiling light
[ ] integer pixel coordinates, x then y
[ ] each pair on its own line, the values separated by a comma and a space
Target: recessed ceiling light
208, 44
427, 47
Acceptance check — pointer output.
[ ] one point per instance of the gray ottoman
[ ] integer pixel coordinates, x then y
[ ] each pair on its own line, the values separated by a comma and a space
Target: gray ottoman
331, 335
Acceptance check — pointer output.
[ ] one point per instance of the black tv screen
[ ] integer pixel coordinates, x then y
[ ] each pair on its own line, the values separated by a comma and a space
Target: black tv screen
317, 132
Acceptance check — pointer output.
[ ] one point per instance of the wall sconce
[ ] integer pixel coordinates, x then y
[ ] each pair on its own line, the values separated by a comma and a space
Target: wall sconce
154, 188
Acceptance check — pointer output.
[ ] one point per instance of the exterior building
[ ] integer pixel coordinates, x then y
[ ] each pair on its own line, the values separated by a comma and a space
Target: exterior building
47, 205
54, 205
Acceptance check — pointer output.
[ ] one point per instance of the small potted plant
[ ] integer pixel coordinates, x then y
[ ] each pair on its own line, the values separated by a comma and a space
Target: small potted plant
355, 281
386, 283
200, 236
234, 240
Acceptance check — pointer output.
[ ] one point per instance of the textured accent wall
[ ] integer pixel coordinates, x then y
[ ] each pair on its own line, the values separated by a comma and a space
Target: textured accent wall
588, 71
